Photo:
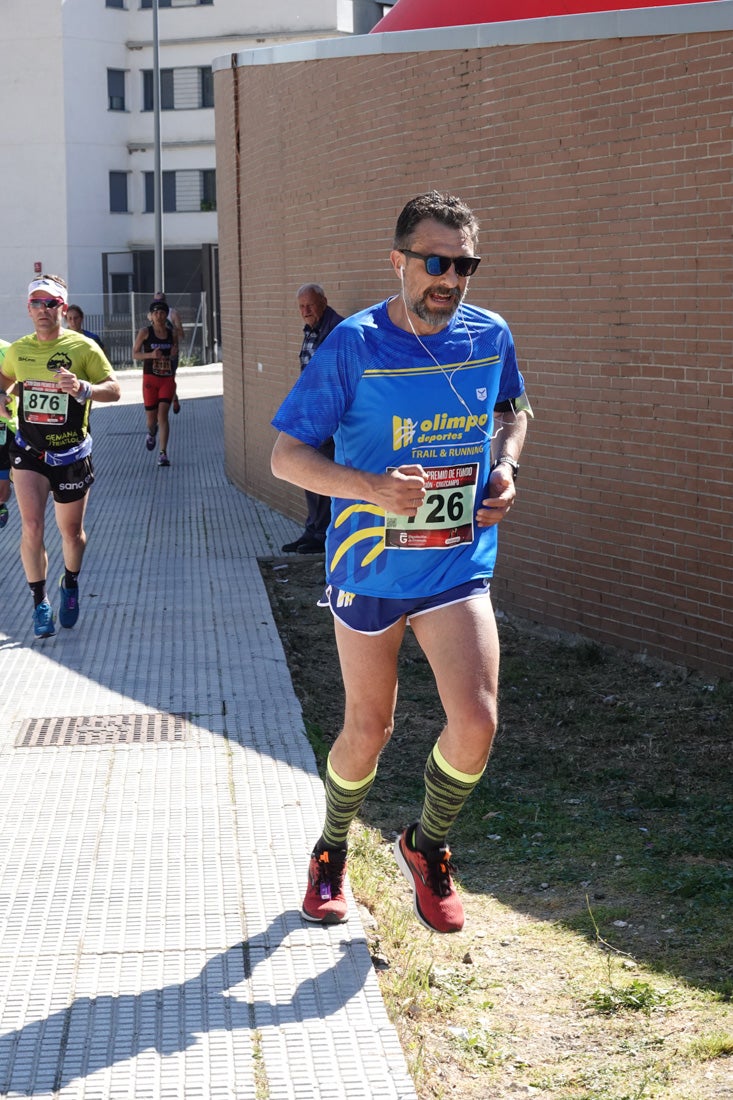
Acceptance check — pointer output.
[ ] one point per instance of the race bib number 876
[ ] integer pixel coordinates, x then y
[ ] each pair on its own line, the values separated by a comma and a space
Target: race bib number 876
444, 519
44, 403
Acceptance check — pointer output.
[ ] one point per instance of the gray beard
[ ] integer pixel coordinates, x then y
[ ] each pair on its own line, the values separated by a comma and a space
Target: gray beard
430, 316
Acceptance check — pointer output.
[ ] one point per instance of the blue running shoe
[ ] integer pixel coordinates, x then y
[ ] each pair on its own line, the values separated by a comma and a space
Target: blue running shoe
3, 514
163, 459
69, 608
43, 622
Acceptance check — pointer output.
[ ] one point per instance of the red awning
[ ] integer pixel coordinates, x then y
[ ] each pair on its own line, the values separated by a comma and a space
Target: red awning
409, 15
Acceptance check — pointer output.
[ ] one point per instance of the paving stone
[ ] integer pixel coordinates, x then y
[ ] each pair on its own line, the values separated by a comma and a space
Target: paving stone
150, 937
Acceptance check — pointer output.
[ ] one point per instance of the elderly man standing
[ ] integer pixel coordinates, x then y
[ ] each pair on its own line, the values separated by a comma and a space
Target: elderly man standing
319, 319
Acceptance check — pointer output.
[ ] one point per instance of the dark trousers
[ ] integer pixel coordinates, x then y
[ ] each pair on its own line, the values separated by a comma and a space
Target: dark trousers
319, 508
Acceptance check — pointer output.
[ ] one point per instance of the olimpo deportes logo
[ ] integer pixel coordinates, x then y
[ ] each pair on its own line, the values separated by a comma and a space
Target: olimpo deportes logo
441, 428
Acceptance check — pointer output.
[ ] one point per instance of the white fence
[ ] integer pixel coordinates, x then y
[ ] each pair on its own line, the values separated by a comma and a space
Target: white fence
117, 318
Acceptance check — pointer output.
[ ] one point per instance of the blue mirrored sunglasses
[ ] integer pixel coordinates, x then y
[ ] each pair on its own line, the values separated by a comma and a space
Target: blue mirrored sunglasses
438, 265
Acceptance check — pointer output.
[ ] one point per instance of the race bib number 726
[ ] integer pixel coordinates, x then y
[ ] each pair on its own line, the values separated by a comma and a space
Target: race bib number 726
444, 519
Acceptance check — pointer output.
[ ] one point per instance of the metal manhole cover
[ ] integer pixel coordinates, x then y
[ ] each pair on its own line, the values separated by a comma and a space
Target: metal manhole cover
103, 729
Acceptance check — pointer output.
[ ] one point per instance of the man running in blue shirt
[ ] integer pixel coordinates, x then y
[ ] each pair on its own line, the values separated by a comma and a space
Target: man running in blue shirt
427, 407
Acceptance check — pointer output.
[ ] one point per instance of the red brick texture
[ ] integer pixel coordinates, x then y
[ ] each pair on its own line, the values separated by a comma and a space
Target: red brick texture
601, 175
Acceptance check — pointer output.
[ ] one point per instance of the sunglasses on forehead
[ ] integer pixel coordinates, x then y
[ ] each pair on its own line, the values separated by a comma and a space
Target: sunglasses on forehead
46, 303
438, 265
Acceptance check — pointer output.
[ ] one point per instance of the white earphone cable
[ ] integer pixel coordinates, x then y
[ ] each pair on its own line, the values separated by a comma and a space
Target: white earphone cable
448, 377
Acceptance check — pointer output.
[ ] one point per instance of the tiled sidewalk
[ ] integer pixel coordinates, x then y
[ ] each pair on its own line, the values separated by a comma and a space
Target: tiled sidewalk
158, 799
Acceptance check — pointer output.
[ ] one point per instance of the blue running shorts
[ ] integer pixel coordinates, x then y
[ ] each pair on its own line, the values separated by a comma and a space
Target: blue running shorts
375, 614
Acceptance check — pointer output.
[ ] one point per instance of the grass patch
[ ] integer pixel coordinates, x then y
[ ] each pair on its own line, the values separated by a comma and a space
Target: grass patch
594, 860
709, 1047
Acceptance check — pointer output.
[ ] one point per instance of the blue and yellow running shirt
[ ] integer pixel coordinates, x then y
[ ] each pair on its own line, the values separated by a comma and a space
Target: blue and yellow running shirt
388, 403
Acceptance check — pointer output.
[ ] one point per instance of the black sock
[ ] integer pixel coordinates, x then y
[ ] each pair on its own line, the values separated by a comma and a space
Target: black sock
321, 846
424, 843
71, 580
38, 588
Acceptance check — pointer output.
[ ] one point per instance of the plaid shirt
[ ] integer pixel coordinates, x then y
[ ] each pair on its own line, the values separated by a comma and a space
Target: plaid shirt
312, 337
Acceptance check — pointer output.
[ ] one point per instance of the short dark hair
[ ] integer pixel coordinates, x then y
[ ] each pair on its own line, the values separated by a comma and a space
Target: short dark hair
78, 309
441, 207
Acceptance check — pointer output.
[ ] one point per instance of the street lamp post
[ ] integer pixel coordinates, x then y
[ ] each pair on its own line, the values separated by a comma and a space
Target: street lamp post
157, 172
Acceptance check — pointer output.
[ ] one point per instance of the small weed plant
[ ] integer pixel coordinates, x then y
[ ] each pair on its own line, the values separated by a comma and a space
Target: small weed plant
635, 996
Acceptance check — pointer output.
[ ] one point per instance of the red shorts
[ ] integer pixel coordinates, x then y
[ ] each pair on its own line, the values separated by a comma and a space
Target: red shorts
157, 388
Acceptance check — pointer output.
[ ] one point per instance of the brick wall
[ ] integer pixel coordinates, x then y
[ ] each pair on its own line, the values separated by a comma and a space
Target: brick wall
601, 174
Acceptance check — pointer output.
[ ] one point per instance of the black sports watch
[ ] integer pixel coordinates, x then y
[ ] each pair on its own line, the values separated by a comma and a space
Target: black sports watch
505, 460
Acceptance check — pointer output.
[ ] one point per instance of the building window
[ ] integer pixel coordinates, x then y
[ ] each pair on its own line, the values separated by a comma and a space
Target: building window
208, 189
169, 192
206, 76
116, 89
116, 4
185, 191
176, 3
183, 89
120, 286
118, 192
166, 90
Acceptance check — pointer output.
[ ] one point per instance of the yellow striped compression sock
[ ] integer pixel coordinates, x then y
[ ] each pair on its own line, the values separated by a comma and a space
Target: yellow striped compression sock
446, 792
343, 802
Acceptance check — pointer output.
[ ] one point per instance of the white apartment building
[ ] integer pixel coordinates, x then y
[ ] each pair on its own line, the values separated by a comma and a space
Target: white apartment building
77, 139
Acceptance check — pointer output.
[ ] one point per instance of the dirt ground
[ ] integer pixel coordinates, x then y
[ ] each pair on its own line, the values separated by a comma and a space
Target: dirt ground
595, 862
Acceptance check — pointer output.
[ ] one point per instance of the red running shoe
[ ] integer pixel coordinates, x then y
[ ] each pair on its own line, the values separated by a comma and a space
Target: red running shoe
435, 900
324, 899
